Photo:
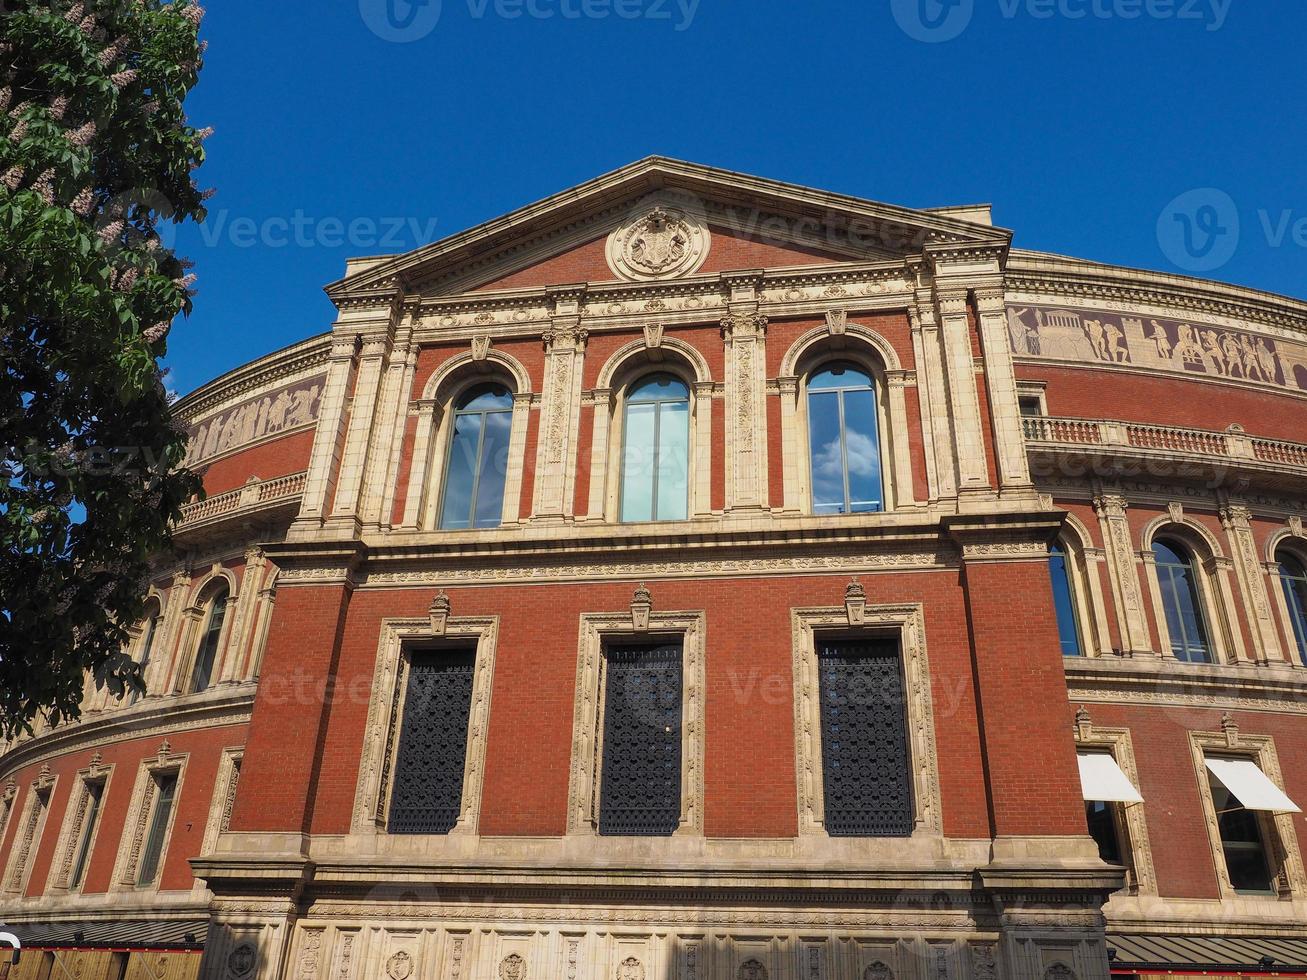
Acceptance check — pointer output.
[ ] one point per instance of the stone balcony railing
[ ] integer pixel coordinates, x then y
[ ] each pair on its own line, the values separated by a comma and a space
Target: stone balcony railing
256, 496
1231, 449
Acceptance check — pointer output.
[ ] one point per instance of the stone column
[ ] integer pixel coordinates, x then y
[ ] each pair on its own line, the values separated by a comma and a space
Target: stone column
419, 473
516, 458
601, 426
1127, 596
358, 437
936, 432
1237, 521
330, 433
746, 410
790, 442
560, 408
964, 399
1001, 381
226, 671
701, 491
382, 470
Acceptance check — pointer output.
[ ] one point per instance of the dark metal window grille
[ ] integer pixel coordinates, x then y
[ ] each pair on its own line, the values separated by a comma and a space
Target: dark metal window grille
429, 766
640, 793
864, 740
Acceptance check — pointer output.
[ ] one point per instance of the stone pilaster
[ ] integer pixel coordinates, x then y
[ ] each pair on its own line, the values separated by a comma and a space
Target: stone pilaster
327, 442
1001, 386
381, 470
1127, 595
963, 395
744, 331
1237, 521
560, 407
936, 427
362, 422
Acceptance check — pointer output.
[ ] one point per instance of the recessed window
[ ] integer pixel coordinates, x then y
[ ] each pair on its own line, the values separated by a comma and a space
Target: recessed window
844, 441
94, 792
207, 655
656, 450
640, 788
1031, 406
1101, 817
478, 459
432, 753
1241, 841
165, 789
864, 743
1064, 601
150, 632
1177, 574
1293, 579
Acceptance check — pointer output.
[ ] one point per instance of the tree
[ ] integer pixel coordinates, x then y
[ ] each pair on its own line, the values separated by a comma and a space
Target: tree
96, 158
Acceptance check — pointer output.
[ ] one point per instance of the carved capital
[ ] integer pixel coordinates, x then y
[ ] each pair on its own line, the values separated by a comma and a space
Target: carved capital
1110, 505
744, 326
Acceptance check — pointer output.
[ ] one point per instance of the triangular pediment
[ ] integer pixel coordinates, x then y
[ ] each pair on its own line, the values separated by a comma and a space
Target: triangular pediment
658, 219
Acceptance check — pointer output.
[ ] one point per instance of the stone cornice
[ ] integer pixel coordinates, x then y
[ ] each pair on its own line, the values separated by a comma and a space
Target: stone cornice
570, 209
1078, 279
266, 372
1126, 680
228, 704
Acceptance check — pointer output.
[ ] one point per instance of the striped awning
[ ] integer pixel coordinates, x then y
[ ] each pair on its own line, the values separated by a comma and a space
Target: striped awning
163, 934
1231, 954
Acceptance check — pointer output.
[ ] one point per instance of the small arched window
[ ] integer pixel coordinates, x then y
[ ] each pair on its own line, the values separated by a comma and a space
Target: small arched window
844, 441
1293, 579
1064, 601
656, 450
207, 655
1177, 574
149, 635
478, 459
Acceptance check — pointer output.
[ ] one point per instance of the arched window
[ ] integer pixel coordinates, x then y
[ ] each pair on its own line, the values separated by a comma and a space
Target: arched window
656, 450
1177, 575
478, 459
207, 655
149, 633
844, 441
1293, 578
1064, 601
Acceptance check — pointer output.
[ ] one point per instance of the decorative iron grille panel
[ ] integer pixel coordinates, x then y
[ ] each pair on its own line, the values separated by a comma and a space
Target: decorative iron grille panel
429, 766
640, 793
864, 742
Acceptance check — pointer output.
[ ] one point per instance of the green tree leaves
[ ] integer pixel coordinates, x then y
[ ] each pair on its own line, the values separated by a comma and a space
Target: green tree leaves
96, 157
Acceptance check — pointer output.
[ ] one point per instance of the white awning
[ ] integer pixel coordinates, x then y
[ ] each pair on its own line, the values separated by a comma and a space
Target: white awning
1250, 785
1102, 779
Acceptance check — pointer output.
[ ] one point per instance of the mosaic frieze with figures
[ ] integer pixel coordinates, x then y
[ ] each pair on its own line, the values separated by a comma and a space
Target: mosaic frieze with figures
1147, 342
276, 411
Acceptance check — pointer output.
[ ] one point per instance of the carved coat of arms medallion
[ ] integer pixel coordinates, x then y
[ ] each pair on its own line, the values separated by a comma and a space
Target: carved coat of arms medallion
241, 960
660, 240
751, 970
512, 967
399, 966
630, 969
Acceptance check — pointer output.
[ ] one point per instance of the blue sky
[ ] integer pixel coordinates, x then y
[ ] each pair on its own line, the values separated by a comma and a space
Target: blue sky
1088, 124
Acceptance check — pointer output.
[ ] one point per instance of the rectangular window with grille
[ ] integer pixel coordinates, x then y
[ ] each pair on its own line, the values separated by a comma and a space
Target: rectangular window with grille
432, 754
864, 742
640, 786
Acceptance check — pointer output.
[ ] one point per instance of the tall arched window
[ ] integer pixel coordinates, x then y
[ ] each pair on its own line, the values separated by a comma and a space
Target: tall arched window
207, 655
478, 459
1064, 601
150, 632
1177, 575
656, 450
1293, 578
844, 441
